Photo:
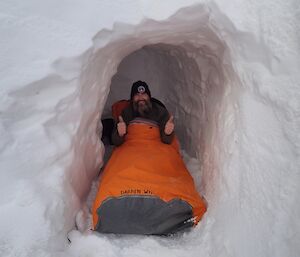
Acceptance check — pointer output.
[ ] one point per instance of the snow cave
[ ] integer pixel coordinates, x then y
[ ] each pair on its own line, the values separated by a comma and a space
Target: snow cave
220, 73
188, 69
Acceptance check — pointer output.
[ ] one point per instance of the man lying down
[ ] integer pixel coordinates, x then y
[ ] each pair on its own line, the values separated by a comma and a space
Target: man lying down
145, 187
142, 107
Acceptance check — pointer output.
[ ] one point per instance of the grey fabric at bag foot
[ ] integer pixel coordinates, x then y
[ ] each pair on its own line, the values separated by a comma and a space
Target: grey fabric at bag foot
145, 215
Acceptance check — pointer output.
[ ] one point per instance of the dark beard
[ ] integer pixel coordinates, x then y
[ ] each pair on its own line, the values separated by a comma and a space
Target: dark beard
142, 110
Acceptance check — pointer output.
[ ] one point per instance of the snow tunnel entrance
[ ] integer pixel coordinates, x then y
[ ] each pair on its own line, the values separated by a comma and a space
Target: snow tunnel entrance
187, 67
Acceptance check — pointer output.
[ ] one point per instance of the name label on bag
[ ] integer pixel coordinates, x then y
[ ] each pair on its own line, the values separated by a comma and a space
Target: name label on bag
133, 191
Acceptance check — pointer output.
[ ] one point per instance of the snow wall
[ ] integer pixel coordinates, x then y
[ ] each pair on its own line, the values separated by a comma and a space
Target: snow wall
229, 72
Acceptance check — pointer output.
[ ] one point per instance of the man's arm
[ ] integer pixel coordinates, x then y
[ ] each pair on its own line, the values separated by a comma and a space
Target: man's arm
119, 132
115, 138
166, 127
120, 128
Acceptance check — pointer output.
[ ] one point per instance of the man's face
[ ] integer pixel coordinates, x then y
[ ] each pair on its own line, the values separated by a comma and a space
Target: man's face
141, 98
142, 103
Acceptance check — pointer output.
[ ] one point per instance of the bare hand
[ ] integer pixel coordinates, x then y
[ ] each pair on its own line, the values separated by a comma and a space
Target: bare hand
169, 127
121, 126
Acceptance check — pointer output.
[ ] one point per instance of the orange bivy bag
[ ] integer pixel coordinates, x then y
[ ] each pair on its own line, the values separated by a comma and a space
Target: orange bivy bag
145, 187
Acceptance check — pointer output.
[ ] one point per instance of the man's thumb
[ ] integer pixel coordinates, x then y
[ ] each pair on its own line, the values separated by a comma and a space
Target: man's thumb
171, 118
121, 119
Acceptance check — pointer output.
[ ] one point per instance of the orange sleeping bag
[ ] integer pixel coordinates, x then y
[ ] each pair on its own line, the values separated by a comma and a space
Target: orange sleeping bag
145, 187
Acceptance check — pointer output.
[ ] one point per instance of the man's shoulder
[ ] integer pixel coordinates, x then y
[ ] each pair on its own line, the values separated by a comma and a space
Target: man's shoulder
161, 111
127, 113
159, 106
157, 102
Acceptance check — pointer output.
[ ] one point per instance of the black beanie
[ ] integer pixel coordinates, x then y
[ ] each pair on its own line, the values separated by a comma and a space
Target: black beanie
139, 87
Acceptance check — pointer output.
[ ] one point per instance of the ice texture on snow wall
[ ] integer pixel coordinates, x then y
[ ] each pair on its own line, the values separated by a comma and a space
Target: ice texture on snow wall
227, 71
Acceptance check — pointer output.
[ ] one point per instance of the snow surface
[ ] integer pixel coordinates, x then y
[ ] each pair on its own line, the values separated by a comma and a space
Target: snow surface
227, 70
